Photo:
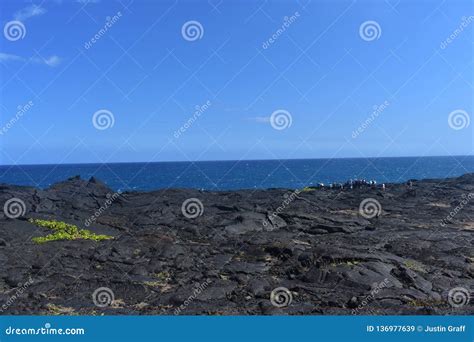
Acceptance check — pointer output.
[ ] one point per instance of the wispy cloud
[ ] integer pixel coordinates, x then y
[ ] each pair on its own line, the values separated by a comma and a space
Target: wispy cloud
260, 119
28, 12
5, 57
51, 61
87, 1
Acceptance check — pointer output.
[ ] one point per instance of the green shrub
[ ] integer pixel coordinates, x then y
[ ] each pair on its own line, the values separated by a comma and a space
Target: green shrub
65, 231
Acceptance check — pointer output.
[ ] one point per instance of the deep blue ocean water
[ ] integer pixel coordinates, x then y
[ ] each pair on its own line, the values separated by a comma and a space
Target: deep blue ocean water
226, 175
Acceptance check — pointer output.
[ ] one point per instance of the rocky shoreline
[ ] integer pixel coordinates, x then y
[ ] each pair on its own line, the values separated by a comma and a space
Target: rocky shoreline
368, 251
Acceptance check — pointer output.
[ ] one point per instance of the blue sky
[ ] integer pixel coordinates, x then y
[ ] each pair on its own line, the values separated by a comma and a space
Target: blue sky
321, 70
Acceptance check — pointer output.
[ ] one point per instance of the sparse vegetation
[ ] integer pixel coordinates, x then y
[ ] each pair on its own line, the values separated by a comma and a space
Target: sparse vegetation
58, 310
163, 276
162, 279
344, 262
414, 266
65, 231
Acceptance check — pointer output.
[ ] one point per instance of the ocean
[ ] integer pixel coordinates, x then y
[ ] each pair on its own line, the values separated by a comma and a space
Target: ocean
248, 174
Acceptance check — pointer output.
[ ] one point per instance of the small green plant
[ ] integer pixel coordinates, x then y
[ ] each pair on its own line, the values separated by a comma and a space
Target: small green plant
414, 265
308, 189
65, 231
163, 276
352, 262
57, 310
162, 279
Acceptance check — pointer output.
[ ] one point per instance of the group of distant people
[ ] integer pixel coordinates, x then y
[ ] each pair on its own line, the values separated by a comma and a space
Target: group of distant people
360, 183
351, 184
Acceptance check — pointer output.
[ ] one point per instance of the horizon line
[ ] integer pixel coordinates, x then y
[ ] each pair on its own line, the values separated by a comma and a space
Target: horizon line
231, 160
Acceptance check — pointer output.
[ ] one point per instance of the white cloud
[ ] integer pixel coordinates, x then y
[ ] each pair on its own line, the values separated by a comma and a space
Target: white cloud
87, 1
28, 12
51, 61
261, 119
5, 57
